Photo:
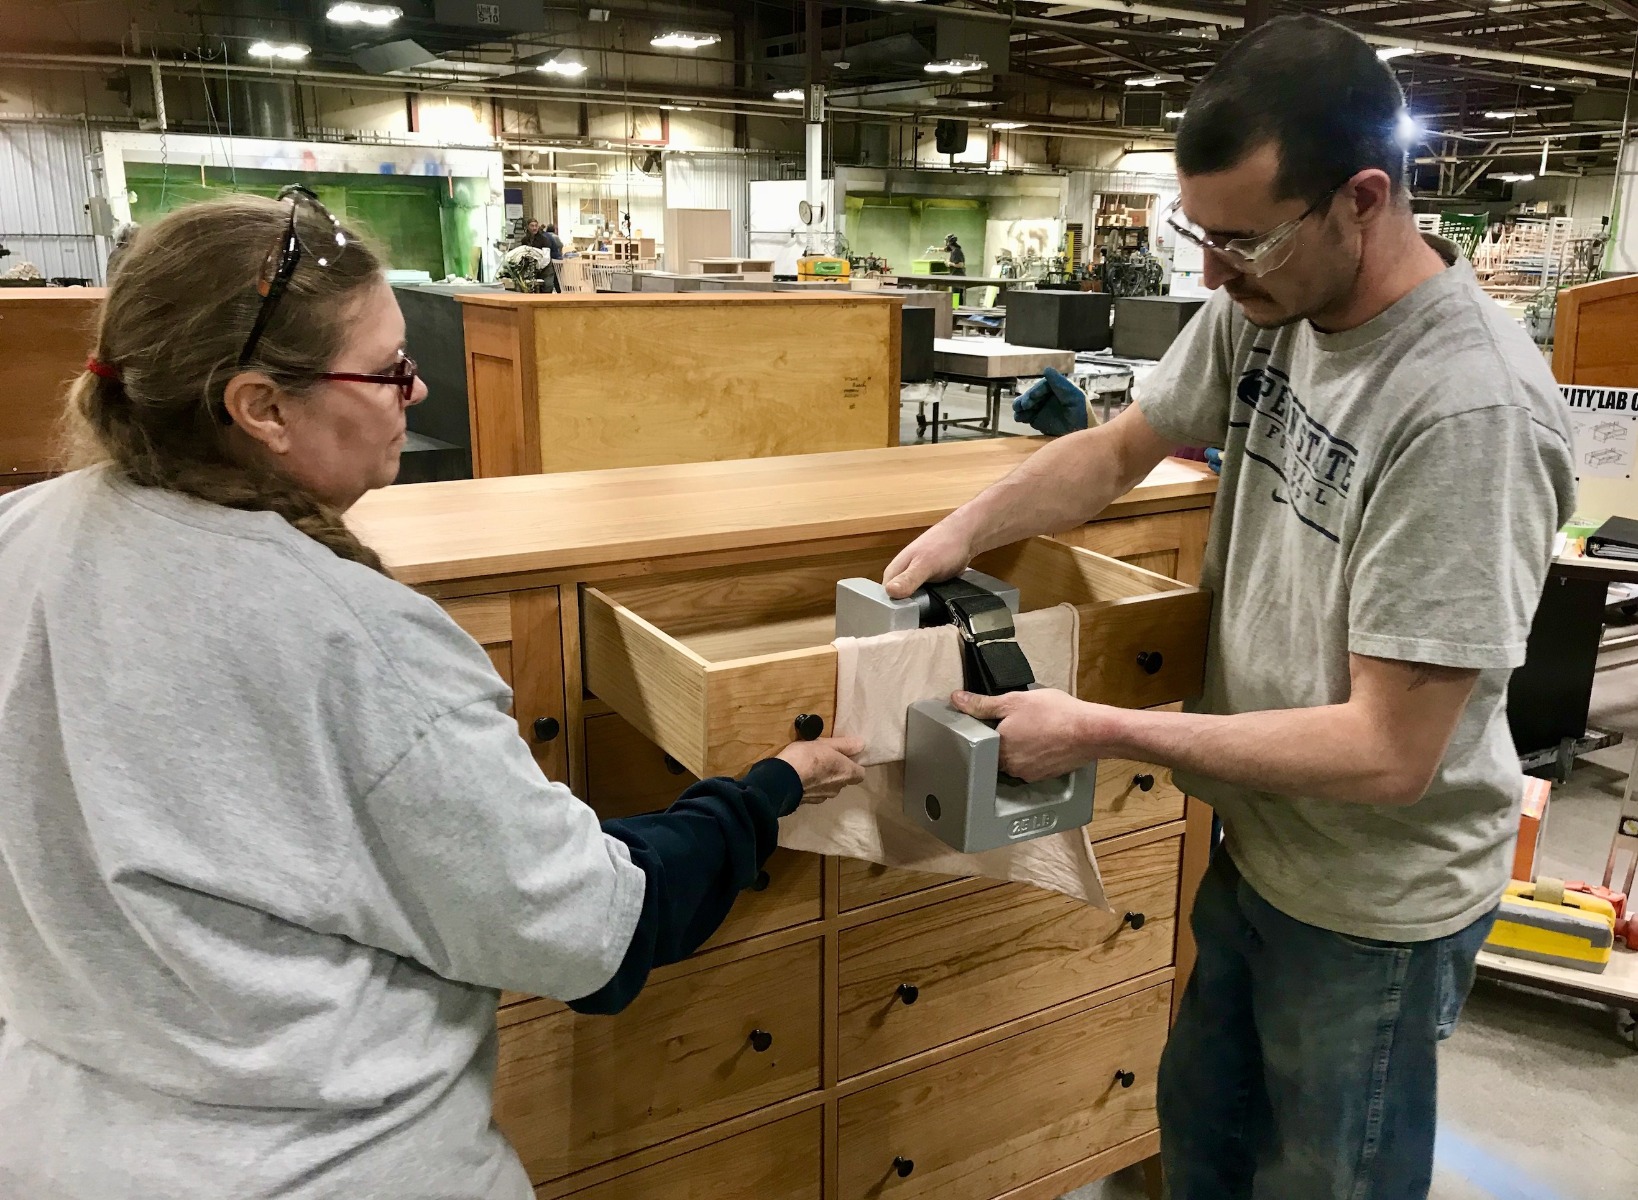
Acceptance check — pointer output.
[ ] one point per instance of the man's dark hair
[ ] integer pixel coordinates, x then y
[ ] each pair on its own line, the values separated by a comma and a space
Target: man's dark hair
1313, 88
551, 229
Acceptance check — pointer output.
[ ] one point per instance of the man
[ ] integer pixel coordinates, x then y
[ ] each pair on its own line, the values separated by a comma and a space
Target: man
546, 239
554, 245
1395, 464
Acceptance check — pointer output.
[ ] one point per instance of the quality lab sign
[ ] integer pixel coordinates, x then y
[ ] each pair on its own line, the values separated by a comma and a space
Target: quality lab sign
1599, 399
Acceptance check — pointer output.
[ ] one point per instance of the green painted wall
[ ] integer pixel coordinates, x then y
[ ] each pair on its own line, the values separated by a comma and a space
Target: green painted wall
426, 223
901, 228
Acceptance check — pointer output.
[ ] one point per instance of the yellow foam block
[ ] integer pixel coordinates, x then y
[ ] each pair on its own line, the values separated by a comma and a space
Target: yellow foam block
1542, 922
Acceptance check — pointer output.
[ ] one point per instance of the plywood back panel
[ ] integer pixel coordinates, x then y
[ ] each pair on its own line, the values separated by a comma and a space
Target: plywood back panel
655, 382
45, 335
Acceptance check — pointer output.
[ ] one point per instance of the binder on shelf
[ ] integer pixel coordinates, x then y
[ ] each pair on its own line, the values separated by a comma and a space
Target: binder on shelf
1616, 538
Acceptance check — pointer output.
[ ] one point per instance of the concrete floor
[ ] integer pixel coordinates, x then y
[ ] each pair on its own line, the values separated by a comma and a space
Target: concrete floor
1538, 1096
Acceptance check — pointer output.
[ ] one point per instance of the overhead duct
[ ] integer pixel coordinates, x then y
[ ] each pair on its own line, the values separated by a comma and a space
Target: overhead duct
402, 55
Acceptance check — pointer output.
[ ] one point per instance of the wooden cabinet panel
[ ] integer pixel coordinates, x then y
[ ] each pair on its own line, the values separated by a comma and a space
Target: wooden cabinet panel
522, 634
864, 883
1172, 544
776, 1162
1131, 796
1000, 1117
45, 334
537, 679
572, 1091
627, 774
979, 961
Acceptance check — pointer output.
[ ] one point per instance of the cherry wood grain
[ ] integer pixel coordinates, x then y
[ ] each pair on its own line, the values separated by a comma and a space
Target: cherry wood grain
779, 1161
572, 1091
435, 532
999, 1118
985, 959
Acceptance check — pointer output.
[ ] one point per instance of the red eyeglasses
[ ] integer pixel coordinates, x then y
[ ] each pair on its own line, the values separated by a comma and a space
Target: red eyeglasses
402, 377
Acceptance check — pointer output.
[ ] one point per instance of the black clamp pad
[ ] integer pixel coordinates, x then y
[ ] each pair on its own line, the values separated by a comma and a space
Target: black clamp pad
992, 661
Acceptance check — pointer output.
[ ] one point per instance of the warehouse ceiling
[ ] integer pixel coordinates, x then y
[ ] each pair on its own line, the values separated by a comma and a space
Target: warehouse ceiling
1489, 82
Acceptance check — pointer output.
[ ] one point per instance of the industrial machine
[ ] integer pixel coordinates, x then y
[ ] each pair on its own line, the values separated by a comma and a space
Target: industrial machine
811, 267
953, 783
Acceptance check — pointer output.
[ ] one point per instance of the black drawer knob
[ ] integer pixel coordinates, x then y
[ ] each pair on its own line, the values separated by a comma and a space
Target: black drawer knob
909, 993
1151, 661
672, 765
1125, 1078
903, 1166
1135, 919
809, 726
761, 882
546, 728
1144, 782
761, 1040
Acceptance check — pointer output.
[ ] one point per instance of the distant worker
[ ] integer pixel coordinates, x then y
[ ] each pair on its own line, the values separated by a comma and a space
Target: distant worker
958, 256
534, 235
554, 245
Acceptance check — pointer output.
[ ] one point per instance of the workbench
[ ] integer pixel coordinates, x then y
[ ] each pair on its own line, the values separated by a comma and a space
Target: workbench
852, 1032
989, 363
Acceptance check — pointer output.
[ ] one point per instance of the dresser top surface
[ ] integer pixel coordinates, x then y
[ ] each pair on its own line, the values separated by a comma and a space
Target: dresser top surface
437, 532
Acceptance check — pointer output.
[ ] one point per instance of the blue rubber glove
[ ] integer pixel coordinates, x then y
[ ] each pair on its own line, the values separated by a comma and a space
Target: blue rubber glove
1054, 406
1214, 459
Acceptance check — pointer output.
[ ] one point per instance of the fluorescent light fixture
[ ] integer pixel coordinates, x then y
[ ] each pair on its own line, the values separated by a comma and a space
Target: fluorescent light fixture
1507, 114
351, 13
1152, 80
1388, 53
682, 39
1513, 177
678, 107
566, 65
1544, 87
1408, 129
286, 51
1175, 114
789, 94
1008, 125
956, 66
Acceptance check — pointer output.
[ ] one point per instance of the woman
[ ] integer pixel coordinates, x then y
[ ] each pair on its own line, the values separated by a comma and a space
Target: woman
269, 840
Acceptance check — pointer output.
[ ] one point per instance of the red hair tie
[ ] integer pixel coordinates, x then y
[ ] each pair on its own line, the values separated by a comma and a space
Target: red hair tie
101, 369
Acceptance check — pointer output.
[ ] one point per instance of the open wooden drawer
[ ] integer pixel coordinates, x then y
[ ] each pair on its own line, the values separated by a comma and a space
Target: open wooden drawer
715, 666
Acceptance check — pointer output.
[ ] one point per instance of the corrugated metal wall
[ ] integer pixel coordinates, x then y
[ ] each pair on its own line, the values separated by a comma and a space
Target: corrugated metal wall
45, 184
712, 181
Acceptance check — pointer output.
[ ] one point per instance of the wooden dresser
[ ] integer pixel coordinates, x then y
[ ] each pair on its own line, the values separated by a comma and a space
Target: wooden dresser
852, 1031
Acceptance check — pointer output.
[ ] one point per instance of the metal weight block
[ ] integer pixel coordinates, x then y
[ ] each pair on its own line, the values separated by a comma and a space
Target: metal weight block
955, 790
864, 609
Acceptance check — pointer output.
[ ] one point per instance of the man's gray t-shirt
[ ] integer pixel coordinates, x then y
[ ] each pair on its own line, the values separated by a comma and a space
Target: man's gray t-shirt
1390, 491
269, 843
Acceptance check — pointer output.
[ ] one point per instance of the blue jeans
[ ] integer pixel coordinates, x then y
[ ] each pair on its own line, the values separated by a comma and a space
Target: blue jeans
1303, 1065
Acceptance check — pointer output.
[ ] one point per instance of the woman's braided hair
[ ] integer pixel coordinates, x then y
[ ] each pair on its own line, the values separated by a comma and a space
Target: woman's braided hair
180, 305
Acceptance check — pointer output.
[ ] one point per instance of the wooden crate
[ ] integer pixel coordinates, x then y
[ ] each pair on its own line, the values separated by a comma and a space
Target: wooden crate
587, 382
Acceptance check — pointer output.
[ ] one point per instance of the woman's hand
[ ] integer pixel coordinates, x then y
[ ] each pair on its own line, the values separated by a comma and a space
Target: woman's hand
826, 765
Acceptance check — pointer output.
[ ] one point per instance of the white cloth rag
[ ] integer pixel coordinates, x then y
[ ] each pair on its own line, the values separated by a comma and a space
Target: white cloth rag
877, 679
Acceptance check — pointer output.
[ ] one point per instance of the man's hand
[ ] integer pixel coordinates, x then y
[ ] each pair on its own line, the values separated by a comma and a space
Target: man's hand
1044, 732
941, 553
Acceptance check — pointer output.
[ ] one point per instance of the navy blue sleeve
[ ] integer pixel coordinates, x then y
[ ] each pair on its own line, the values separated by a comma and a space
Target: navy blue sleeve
698, 855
